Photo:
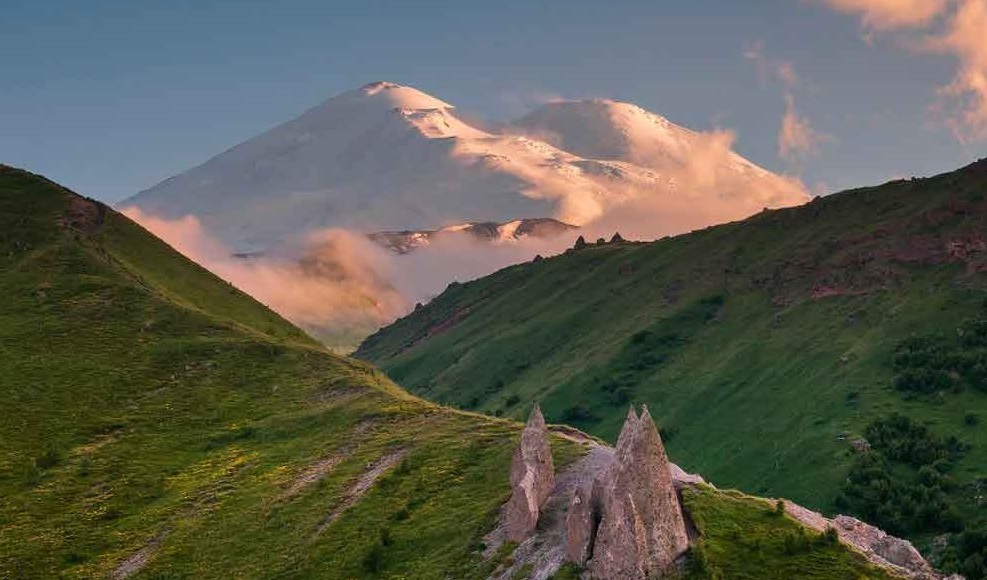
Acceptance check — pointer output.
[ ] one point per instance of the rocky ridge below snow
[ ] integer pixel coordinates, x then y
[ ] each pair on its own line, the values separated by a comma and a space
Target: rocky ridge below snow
407, 241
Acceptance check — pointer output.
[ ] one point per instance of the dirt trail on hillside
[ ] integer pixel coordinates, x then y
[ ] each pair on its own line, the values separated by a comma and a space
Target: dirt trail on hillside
136, 561
318, 470
362, 485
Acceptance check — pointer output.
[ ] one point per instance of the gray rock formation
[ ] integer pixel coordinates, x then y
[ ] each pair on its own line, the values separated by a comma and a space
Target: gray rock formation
640, 531
872, 540
532, 478
894, 554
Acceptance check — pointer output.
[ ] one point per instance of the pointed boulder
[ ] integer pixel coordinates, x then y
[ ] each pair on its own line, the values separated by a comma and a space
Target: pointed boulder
532, 477
627, 430
641, 530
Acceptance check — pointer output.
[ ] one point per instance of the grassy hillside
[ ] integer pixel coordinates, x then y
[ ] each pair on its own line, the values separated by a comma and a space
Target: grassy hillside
150, 406
766, 348
159, 423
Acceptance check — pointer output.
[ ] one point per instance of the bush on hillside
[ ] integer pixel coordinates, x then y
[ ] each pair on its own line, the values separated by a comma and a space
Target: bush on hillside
579, 414
903, 485
967, 553
933, 363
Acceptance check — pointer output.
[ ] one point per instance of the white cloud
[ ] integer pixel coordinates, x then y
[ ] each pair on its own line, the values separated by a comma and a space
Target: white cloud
956, 28
883, 15
797, 140
963, 102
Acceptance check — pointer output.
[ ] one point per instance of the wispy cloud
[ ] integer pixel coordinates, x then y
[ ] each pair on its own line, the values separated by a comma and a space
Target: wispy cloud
771, 68
956, 28
797, 139
520, 102
883, 15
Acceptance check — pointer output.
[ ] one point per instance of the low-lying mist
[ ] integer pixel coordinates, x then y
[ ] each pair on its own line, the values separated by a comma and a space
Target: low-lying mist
332, 283
340, 286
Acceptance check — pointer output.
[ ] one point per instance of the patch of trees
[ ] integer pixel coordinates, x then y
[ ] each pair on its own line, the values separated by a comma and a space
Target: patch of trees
935, 363
967, 554
903, 484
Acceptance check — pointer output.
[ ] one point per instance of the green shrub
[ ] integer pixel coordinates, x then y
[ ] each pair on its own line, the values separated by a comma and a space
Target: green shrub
903, 485
779, 508
50, 458
568, 571
967, 552
374, 560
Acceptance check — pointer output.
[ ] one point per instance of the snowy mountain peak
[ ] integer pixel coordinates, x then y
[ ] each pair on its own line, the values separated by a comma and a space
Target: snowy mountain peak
393, 96
607, 129
378, 86
390, 157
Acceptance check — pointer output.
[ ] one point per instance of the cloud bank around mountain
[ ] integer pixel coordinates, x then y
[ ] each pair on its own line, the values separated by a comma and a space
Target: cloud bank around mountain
388, 157
331, 283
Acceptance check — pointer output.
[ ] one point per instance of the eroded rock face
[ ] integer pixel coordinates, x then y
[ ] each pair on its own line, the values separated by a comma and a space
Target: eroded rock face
532, 477
871, 539
879, 547
641, 531
580, 526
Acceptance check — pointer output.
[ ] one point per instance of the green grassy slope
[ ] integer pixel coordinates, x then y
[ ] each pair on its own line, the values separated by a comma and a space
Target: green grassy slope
147, 403
156, 417
763, 347
743, 537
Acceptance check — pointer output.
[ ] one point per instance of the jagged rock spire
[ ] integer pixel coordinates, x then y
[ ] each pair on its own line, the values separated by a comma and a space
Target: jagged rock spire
641, 530
532, 477
628, 429
536, 420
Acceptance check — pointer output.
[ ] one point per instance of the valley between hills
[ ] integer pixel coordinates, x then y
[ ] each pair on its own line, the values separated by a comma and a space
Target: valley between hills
833, 352
161, 423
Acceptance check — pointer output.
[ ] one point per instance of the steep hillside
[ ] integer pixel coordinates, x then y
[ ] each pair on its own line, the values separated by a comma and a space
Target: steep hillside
156, 417
767, 349
159, 423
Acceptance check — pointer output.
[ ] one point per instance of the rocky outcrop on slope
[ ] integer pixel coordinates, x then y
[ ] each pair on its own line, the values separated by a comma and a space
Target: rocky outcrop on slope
532, 478
571, 520
630, 524
407, 241
881, 548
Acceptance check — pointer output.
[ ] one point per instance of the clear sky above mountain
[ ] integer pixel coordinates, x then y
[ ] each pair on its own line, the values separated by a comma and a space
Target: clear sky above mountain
111, 96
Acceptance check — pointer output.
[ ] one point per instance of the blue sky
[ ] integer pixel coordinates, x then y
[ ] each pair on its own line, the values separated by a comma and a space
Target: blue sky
110, 96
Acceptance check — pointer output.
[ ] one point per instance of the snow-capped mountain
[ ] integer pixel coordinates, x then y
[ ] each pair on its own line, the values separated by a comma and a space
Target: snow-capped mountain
610, 130
390, 157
